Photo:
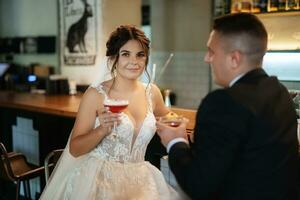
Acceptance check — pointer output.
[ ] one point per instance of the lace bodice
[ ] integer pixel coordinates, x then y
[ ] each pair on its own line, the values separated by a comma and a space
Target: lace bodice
126, 147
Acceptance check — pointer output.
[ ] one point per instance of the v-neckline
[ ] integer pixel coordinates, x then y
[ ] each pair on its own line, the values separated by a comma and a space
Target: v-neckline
135, 134
131, 119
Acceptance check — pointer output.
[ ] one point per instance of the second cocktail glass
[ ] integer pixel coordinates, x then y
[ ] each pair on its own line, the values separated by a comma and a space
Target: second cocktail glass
173, 121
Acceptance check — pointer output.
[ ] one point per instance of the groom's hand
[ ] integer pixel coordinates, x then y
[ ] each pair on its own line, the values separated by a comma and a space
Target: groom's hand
168, 133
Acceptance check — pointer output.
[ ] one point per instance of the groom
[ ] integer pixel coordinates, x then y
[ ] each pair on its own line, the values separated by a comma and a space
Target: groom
246, 145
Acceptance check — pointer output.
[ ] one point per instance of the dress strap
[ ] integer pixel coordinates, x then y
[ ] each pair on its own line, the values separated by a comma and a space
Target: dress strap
149, 95
100, 89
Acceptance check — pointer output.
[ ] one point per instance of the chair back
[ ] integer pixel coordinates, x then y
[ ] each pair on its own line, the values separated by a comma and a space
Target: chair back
14, 167
6, 171
50, 162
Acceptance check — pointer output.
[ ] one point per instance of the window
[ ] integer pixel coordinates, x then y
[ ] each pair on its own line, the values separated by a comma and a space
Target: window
284, 65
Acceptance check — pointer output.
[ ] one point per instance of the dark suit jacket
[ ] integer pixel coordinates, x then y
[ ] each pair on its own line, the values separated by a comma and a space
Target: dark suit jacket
245, 146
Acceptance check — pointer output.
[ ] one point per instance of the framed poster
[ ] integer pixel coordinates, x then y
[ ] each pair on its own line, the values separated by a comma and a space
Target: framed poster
78, 32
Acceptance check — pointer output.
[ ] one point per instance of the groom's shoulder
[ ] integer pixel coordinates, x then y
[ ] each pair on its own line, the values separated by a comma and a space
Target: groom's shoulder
216, 96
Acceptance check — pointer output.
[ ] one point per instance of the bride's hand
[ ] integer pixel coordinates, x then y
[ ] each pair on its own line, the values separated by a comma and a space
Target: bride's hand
107, 119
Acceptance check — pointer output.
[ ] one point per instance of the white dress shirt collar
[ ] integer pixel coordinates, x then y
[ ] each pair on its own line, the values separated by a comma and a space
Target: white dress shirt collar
233, 81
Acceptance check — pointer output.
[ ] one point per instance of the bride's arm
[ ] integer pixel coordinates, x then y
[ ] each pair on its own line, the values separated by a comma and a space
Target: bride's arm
159, 108
84, 137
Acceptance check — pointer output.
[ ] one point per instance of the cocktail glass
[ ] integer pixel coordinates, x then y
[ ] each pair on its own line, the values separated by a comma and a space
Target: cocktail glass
115, 106
173, 121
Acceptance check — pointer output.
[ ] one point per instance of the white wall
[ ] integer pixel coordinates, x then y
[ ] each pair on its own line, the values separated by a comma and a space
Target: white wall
180, 25
30, 18
182, 28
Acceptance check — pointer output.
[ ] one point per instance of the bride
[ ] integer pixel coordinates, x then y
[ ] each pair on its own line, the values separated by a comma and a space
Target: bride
99, 164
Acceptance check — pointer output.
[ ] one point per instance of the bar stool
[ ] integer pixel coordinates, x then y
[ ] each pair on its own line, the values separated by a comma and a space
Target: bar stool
14, 167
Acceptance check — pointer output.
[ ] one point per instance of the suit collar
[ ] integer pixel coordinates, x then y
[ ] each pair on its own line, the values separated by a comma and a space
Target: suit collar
252, 75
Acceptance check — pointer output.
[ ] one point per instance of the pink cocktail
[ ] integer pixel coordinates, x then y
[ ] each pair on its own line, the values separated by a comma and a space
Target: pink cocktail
115, 106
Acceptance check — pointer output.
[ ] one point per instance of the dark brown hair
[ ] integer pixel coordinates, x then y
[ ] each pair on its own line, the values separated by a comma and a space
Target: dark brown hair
246, 29
120, 37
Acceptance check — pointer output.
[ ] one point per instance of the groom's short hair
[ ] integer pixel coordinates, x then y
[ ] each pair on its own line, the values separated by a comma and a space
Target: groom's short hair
243, 32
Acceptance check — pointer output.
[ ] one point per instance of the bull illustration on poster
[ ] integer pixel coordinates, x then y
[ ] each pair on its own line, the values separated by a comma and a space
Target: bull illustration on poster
78, 32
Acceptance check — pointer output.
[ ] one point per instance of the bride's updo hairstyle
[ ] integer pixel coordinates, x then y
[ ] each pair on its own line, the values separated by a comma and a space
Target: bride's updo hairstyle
121, 36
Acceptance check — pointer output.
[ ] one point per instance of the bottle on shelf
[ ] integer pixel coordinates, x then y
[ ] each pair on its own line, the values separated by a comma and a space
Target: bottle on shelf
235, 6
292, 5
255, 6
258, 6
222, 7
227, 6
263, 6
167, 99
282, 5
219, 8
246, 5
272, 5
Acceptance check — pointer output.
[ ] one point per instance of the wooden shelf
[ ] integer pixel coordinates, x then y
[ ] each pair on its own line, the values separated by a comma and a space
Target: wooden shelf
279, 13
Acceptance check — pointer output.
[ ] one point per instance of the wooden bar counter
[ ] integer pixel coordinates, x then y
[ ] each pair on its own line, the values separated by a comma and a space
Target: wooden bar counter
53, 117
35, 124
62, 105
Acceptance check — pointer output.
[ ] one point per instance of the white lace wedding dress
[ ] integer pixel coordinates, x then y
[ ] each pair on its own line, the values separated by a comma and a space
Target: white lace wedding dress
114, 170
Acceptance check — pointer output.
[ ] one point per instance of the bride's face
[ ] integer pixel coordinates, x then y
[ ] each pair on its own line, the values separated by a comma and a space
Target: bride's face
132, 60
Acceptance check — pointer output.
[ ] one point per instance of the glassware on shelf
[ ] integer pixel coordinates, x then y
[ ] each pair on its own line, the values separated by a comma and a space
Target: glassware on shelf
272, 5
263, 6
292, 5
255, 6
282, 5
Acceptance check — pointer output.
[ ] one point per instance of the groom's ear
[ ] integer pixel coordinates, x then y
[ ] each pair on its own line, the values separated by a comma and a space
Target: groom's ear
235, 59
